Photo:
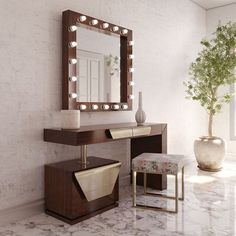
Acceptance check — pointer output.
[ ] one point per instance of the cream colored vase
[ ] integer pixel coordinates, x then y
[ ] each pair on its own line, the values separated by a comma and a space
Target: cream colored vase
210, 153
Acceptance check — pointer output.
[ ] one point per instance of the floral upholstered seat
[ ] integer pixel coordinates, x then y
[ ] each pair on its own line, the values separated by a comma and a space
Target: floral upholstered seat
159, 163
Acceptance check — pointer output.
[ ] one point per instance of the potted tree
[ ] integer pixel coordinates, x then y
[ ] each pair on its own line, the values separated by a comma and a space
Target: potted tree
213, 68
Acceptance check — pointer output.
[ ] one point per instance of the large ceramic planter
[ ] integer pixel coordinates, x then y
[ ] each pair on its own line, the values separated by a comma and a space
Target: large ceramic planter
210, 153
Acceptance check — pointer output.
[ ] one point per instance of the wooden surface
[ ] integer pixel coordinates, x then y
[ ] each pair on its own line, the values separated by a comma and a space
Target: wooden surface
93, 134
156, 142
64, 198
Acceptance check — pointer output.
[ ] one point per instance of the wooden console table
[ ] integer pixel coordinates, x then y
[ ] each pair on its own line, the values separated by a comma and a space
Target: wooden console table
155, 142
65, 196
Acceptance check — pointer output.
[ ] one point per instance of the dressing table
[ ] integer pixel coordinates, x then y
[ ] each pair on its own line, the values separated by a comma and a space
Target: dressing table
97, 69
60, 185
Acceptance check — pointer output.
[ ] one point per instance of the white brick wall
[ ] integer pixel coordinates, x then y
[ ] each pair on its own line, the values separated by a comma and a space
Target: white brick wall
167, 35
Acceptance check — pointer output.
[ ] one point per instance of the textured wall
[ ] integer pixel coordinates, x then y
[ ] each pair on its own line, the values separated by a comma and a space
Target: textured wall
222, 124
167, 35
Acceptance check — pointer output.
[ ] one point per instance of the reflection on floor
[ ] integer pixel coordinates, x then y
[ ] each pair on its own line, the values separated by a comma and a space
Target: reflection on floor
209, 209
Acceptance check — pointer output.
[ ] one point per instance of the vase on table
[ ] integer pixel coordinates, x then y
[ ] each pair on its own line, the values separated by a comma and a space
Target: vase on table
140, 115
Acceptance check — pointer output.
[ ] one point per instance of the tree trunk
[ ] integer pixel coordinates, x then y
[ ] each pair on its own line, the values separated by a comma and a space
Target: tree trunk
210, 121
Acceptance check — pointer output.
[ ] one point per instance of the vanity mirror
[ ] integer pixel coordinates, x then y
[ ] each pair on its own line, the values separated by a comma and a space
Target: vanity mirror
97, 64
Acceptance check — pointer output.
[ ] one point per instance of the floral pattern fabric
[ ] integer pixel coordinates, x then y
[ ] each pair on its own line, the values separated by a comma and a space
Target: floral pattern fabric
159, 163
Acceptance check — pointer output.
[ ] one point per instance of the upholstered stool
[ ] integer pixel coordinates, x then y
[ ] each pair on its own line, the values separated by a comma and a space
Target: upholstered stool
155, 163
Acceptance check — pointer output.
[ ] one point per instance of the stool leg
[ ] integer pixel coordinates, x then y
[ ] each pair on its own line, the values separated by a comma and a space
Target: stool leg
145, 182
182, 184
176, 193
134, 188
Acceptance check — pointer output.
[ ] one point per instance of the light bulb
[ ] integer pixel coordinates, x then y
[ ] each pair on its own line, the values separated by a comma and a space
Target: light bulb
124, 106
73, 61
73, 95
131, 56
73, 78
94, 22
105, 107
105, 25
131, 83
72, 28
115, 107
82, 18
115, 28
131, 96
94, 107
82, 107
131, 70
72, 44
131, 43
124, 31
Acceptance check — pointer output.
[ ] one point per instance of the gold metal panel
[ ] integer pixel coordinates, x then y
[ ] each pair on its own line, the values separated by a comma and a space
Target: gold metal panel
121, 133
141, 130
98, 182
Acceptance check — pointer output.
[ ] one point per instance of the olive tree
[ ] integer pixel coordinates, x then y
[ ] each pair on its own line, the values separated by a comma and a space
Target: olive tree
214, 67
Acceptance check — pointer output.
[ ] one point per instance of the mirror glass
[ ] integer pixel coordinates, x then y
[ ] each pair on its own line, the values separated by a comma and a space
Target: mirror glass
98, 67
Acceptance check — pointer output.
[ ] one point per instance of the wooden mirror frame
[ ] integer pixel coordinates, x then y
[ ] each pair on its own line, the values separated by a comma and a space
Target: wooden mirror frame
69, 102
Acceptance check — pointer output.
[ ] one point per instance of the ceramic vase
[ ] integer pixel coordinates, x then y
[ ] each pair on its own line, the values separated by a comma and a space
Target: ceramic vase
210, 153
140, 115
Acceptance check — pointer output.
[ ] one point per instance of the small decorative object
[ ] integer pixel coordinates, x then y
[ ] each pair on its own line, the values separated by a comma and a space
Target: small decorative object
70, 119
213, 68
140, 115
113, 63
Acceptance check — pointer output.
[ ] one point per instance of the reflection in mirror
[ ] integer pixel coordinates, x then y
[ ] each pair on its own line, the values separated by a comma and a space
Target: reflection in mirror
98, 67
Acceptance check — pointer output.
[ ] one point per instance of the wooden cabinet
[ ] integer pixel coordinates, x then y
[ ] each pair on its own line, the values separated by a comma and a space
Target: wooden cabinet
65, 198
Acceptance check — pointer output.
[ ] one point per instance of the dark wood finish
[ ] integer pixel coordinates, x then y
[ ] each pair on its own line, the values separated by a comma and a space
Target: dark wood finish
93, 134
64, 198
156, 142
72, 18
85, 217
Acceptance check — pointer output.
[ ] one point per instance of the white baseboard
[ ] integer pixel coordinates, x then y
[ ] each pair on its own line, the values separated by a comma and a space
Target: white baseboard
21, 212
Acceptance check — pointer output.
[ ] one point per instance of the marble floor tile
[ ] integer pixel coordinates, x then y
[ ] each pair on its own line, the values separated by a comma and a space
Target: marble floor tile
209, 209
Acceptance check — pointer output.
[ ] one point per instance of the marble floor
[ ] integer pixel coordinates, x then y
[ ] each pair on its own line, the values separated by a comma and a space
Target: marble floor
209, 209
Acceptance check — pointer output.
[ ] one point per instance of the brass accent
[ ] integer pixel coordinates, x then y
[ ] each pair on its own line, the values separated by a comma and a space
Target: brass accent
130, 132
139, 131
134, 188
176, 197
176, 193
98, 182
121, 133
83, 151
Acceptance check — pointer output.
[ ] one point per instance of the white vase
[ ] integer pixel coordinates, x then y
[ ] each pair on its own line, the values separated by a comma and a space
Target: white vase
140, 115
70, 119
210, 153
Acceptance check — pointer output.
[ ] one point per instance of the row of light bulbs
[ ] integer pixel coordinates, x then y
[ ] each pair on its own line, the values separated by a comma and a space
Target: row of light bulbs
74, 95
104, 107
74, 79
74, 44
74, 61
95, 22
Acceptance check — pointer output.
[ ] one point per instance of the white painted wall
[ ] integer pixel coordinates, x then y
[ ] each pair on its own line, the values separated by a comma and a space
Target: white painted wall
222, 121
167, 35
